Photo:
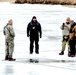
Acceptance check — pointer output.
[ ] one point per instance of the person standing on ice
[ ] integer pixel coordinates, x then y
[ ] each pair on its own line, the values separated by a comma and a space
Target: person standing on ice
34, 31
65, 35
72, 39
9, 40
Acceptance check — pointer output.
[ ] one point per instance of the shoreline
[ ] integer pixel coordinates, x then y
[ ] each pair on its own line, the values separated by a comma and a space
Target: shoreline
53, 2
13, 2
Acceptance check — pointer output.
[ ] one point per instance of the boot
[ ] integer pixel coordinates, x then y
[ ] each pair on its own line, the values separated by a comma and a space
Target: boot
62, 53
31, 52
11, 59
72, 55
69, 54
6, 57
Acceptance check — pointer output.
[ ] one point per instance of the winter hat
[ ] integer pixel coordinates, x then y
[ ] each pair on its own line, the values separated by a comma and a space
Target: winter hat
68, 19
34, 17
72, 21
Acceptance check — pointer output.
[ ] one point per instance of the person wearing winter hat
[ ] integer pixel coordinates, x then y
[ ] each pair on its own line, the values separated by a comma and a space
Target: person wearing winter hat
65, 27
34, 30
72, 38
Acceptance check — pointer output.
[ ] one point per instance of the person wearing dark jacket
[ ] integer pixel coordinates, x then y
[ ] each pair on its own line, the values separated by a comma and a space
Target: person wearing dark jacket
34, 31
72, 40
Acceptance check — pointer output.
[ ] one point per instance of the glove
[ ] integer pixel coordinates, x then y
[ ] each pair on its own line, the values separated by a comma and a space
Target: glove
40, 36
28, 35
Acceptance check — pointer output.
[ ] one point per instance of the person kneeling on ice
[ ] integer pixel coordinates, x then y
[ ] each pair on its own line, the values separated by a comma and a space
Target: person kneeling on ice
34, 31
9, 40
65, 35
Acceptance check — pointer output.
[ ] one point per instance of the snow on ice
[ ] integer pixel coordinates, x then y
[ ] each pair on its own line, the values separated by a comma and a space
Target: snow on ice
49, 62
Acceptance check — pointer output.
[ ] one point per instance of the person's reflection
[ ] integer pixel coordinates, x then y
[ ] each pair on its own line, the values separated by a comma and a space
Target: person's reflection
34, 61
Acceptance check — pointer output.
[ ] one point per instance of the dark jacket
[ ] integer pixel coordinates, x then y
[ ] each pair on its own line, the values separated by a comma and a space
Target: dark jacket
34, 30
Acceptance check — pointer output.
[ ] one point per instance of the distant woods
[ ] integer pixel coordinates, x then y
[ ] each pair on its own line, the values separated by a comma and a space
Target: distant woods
62, 2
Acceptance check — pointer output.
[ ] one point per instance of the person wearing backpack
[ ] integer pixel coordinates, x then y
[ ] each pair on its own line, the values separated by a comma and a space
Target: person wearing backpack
34, 31
65, 36
9, 40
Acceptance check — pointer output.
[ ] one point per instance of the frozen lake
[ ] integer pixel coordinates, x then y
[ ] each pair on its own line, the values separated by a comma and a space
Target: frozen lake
49, 62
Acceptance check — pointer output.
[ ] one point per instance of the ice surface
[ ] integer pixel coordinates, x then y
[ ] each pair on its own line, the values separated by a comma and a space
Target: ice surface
49, 62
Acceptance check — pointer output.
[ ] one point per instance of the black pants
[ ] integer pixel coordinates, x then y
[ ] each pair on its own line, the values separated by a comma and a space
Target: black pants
72, 46
32, 46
